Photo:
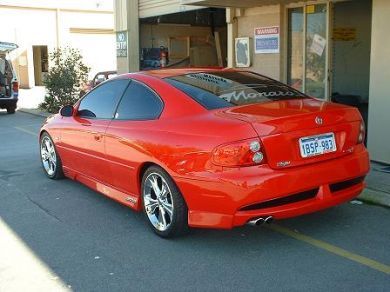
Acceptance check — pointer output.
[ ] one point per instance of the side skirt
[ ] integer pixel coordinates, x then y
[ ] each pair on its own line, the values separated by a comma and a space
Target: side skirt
131, 201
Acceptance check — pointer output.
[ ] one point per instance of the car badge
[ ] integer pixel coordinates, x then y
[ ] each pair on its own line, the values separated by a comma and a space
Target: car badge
319, 120
283, 163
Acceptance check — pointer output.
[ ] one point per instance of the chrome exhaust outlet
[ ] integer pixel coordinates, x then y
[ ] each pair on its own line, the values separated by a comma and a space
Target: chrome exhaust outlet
268, 219
256, 222
260, 221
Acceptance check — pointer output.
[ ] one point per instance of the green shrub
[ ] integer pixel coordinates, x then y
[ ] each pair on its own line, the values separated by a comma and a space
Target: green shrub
64, 79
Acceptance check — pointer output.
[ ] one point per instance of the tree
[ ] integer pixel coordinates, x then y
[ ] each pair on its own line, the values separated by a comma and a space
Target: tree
64, 79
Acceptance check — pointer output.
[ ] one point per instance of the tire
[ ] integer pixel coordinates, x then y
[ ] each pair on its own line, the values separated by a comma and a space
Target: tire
51, 161
166, 211
11, 109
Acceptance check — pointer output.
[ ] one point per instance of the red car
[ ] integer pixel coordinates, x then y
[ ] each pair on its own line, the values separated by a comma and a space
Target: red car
208, 148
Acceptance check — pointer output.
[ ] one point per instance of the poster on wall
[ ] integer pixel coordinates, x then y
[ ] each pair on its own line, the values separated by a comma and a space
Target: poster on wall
267, 40
242, 49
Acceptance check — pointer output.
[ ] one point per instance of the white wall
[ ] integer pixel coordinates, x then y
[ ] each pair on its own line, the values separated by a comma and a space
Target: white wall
379, 106
34, 23
98, 49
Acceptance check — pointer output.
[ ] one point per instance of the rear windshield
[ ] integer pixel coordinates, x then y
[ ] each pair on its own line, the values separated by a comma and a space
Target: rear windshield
225, 89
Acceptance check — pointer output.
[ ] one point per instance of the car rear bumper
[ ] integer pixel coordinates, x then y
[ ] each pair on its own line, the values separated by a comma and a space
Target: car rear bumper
5, 102
235, 196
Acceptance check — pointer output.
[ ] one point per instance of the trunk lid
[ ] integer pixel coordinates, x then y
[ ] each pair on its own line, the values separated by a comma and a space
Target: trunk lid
281, 124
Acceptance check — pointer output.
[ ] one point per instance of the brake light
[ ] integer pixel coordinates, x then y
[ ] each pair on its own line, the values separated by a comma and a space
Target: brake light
15, 88
362, 133
242, 153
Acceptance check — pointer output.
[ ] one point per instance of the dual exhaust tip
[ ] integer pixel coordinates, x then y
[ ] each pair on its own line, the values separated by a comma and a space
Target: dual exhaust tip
261, 220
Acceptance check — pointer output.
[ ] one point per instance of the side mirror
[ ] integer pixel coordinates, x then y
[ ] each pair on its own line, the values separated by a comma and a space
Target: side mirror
67, 111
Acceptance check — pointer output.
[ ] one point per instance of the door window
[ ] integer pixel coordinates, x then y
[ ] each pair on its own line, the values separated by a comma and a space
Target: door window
316, 54
295, 48
307, 62
139, 103
101, 102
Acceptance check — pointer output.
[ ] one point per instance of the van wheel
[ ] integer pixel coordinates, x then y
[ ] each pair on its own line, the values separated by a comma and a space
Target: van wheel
11, 109
163, 203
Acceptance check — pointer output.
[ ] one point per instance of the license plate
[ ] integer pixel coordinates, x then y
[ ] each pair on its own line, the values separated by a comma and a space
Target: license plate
317, 145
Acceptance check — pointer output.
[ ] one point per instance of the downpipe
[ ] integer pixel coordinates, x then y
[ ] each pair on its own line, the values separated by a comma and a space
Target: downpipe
261, 220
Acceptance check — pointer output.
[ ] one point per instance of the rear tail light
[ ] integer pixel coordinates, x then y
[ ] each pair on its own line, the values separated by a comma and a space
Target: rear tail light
15, 88
362, 133
242, 153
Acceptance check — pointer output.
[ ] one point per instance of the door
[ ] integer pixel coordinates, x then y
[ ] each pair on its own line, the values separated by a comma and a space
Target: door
83, 135
135, 122
307, 45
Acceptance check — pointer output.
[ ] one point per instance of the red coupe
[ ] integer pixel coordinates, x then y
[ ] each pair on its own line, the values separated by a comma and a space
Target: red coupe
208, 148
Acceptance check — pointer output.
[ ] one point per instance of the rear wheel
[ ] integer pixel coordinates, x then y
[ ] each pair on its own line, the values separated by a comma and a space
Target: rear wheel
163, 203
51, 161
11, 109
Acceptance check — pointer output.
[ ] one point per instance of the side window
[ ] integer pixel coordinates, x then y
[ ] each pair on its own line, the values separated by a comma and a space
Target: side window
101, 102
139, 103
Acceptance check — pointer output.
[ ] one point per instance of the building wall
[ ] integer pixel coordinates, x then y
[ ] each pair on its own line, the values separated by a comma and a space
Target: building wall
43, 23
379, 107
93, 34
267, 64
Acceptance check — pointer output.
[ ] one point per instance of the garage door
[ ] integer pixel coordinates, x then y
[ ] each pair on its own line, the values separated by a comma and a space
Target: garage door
149, 8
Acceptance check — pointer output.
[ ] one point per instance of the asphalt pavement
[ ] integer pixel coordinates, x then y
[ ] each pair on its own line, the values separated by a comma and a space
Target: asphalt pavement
60, 235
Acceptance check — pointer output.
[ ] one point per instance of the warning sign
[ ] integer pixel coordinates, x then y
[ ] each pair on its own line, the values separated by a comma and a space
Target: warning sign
267, 40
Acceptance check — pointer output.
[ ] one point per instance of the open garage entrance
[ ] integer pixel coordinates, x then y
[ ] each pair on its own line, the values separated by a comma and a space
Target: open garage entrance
194, 38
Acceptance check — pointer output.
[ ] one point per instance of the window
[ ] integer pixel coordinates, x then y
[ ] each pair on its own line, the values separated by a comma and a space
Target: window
139, 103
101, 102
225, 89
307, 43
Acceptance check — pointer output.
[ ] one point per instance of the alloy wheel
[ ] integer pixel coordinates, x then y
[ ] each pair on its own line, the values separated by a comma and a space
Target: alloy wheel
158, 203
48, 156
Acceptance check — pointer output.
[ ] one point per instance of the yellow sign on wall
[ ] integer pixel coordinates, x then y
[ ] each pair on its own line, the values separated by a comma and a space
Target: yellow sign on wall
344, 34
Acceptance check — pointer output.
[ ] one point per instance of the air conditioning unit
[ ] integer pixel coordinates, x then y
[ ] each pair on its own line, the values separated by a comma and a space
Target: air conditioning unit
243, 50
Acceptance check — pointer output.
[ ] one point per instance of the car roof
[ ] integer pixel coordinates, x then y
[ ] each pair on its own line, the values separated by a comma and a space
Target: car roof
166, 73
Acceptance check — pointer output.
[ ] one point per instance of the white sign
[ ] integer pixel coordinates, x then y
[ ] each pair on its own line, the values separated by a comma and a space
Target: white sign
267, 40
318, 45
121, 44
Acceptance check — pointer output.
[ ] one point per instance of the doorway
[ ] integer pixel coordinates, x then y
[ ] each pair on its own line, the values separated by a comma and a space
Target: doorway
41, 64
351, 48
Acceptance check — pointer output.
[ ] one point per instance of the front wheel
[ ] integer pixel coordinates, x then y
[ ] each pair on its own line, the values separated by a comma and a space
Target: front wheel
163, 203
50, 159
